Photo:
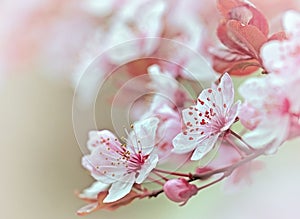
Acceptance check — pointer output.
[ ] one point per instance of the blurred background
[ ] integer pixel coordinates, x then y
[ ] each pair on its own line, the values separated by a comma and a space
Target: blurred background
43, 44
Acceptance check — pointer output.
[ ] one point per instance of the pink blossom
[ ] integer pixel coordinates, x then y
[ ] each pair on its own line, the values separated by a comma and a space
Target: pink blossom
270, 119
179, 190
281, 57
122, 165
212, 115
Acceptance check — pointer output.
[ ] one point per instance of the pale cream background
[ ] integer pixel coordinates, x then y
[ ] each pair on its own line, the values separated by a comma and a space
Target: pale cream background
40, 167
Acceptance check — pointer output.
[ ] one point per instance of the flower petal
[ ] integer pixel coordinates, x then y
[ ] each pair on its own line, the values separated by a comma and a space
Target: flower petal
97, 138
147, 167
182, 144
205, 147
120, 188
232, 114
93, 191
143, 135
269, 134
226, 89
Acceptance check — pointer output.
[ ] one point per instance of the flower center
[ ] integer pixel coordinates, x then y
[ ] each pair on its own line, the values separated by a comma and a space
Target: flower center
135, 162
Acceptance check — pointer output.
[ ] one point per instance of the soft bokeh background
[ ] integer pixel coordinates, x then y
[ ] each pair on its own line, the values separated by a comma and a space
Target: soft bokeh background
41, 170
40, 166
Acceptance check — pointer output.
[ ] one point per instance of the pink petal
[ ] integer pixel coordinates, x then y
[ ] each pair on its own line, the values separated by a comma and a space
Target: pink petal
249, 116
269, 134
227, 155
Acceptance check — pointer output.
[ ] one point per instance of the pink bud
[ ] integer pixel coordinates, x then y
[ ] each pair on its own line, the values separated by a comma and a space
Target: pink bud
179, 190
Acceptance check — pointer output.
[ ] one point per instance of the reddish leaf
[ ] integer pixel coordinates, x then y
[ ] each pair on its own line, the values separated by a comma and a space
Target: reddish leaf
244, 68
244, 31
98, 204
239, 67
245, 13
228, 55
248, 37
259, 20
225, 6
224, 37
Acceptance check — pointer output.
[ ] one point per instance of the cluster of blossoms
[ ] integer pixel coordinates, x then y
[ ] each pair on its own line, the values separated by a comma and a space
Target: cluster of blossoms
221, 134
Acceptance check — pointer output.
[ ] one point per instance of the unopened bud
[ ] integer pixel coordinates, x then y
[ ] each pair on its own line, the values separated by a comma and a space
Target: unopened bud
179, 190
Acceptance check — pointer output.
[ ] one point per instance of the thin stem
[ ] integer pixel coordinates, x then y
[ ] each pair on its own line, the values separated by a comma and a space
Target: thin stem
230, 168
241, 139
226, 170
237, 148
160, 175
156, 181
173, 173
212, 183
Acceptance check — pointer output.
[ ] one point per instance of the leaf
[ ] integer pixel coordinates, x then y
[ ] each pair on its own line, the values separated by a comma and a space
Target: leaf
248, 38
225, 6
239, 67
244, 68
222, 33
259, 20
243, 11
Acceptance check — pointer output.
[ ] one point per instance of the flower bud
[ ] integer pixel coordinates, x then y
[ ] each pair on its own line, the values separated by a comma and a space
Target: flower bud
179, 190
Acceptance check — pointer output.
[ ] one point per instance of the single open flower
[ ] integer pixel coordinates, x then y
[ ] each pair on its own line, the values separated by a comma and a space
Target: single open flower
179, 190
122, 165
213, 114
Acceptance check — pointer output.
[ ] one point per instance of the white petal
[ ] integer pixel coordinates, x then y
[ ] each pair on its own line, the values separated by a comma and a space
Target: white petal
232, 114
95, 138
291, 21
254, 90
227, 89
147, 167
120, 189
144, 132
205, 147
182, 144
209, 97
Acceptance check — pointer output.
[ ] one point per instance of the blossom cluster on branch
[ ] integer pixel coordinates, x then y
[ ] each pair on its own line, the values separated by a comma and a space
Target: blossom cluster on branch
221, 131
